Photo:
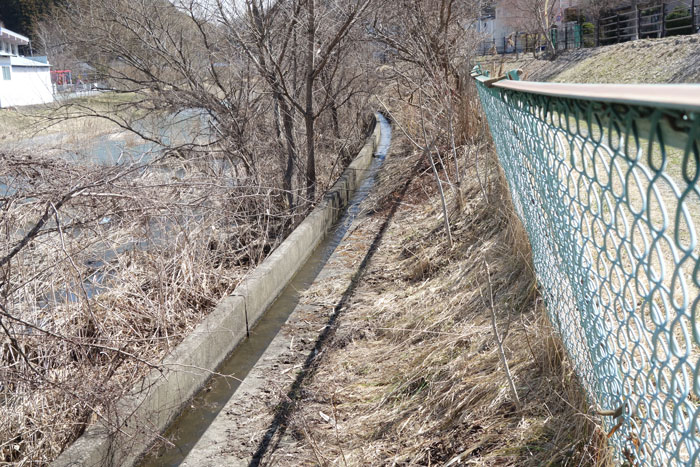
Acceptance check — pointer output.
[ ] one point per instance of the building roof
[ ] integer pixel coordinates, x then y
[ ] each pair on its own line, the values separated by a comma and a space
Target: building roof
12, 37
26, 61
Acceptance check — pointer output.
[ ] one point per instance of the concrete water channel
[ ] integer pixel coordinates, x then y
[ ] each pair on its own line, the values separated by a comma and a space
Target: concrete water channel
189, 427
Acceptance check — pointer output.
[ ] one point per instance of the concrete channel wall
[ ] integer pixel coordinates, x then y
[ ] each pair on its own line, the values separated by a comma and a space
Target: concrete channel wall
150, 407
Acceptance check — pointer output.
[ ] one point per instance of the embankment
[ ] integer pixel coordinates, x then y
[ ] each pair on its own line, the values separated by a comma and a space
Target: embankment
667, 60
411, 373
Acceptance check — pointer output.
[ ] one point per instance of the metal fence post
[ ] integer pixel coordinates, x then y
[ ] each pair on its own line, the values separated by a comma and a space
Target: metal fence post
597, 32
618, 28
639, 22
663, 20
566, 36
692, 16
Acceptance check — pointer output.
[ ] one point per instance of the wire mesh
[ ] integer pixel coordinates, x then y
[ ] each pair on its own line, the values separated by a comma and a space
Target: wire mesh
608, 194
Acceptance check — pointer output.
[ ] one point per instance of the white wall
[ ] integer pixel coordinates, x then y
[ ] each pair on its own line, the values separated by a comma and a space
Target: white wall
29, 85
485, 26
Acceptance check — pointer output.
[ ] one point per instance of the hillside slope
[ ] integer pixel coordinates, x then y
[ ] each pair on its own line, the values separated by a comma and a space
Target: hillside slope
668, 60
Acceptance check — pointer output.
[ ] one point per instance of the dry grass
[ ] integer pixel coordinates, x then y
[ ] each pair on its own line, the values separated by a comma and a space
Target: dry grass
667, 60
57, 124
413, 376
118, 275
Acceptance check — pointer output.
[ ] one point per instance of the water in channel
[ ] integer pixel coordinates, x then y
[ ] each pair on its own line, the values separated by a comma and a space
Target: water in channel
189, 426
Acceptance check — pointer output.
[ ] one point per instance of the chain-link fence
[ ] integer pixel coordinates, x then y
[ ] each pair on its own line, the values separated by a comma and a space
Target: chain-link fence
607, 189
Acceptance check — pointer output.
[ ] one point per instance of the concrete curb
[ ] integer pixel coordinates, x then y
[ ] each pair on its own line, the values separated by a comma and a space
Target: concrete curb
159, 398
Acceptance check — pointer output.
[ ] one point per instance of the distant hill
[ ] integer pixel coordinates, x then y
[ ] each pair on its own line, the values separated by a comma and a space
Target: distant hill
21, 15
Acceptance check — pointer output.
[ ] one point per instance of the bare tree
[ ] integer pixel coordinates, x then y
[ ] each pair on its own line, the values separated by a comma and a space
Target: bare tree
538, 16
322, 41
107, 263
429, 42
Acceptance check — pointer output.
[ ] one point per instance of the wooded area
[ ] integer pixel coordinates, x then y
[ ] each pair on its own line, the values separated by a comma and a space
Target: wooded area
22, 16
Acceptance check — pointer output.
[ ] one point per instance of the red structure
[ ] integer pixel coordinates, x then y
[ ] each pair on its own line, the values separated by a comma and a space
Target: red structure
61, 77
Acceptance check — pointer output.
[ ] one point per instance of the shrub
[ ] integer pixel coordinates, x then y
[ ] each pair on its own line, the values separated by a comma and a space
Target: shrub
680, 21
588, 33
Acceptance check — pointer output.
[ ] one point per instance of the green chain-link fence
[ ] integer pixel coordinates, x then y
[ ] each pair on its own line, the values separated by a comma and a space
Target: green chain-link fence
608, 193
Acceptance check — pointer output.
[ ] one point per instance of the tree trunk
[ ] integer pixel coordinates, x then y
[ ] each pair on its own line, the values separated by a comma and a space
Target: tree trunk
309, 108
288, 124
285, 109
332, 103
334, 118
310, 159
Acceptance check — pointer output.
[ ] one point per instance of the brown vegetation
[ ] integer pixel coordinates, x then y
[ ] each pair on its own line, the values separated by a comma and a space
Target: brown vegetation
241, 114
107, 262
412, 375
445, 354
115, 271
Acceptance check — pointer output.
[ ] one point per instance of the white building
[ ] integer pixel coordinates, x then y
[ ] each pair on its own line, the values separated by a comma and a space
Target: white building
485, 25
504, 18
23, 80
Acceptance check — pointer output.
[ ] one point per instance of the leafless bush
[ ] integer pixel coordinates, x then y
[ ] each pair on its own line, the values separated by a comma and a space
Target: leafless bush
429, 46
104, 269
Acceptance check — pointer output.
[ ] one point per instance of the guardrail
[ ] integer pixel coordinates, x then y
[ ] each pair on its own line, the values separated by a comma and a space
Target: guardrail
605, 181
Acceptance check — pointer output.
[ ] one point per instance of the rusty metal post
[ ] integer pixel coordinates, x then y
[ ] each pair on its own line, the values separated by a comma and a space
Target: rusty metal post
663, 20
639, 22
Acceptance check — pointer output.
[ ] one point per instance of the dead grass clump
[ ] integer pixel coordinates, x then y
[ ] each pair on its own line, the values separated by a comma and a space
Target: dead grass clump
415, 377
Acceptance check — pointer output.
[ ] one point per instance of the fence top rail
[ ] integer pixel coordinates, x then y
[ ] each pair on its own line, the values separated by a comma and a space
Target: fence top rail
672, 96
